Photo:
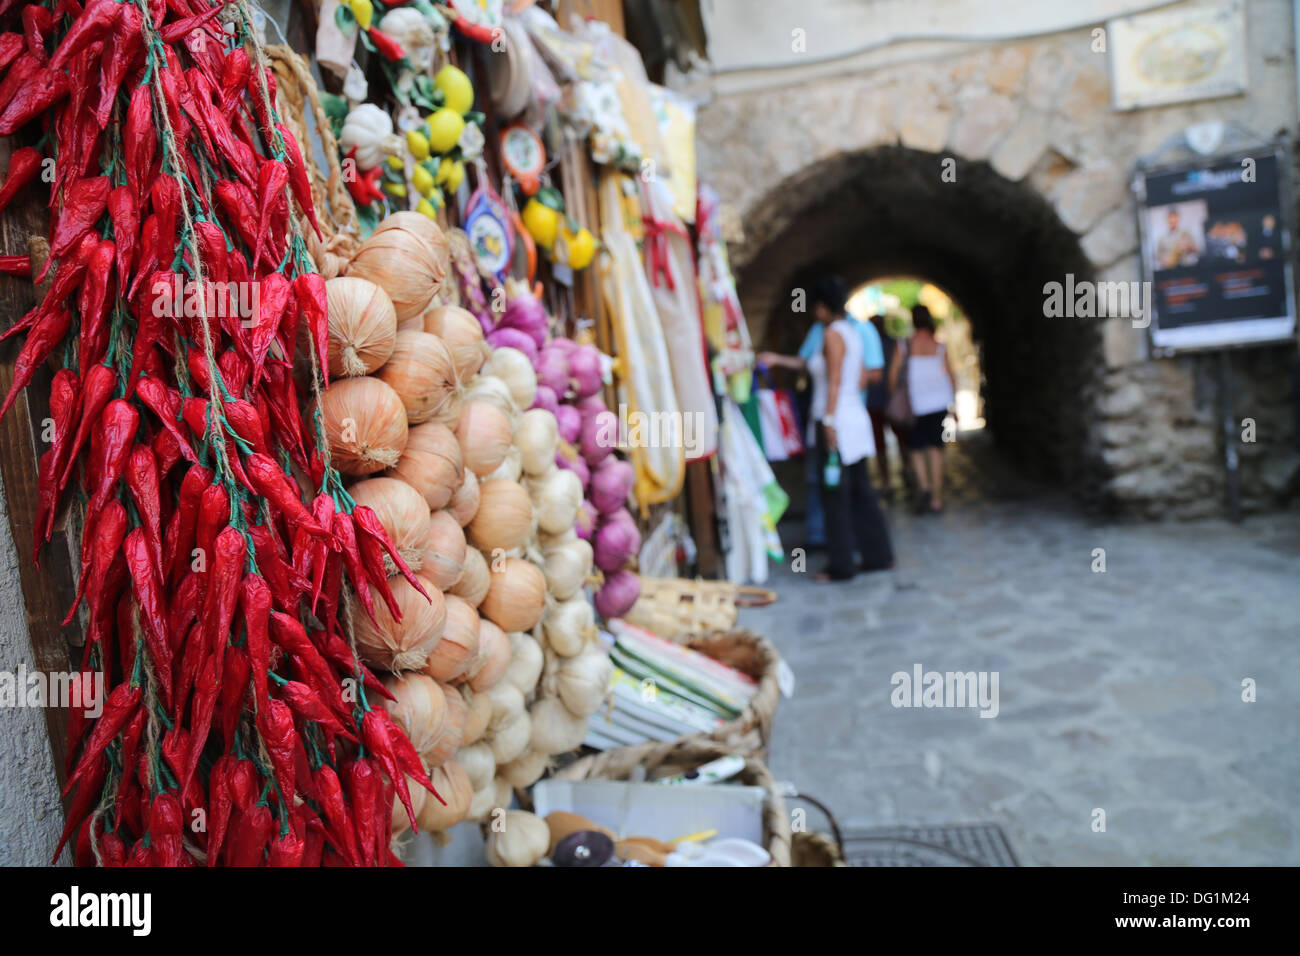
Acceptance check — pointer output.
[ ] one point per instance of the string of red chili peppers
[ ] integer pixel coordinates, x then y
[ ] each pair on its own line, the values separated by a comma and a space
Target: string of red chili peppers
236, 740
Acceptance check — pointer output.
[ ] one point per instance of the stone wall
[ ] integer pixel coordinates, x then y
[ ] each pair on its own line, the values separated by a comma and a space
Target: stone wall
1037, 114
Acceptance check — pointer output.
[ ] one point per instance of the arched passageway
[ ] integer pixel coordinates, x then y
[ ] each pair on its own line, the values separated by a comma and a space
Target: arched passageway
990, 243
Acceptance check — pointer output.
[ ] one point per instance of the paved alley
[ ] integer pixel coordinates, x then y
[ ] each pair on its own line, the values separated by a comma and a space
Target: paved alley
1119, 691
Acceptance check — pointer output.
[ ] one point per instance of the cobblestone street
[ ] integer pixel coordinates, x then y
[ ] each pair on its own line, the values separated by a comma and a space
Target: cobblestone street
1119, 690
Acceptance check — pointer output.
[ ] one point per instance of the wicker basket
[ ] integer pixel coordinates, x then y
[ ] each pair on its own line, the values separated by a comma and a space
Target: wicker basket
753, 654
687, 753
675, 608
815, 849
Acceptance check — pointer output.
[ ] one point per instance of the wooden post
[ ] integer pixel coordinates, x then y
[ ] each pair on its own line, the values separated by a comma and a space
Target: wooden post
47, 590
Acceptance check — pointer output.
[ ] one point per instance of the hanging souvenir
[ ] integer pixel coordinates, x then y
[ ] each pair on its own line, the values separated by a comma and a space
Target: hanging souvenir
524, 156
488, 225
480, 20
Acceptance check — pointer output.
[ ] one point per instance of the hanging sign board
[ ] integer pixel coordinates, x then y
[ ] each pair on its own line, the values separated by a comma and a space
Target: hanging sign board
1190, 53
1216, 250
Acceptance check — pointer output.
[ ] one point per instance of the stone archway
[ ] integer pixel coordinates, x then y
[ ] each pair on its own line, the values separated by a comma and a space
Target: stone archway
1043, 166
990, 243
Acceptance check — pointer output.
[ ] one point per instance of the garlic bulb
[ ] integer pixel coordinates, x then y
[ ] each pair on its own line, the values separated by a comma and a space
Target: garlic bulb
403, 513
370, 130
568, 626
511, 466
476, 760
511, 737
430, 462
513, 367
490, 389
537, 436
566, 563
526, 770
365, 425
555, 729
556, 497
483, 803
414, 33
421, 372
507, 702
583, 681
526, 661
362, 326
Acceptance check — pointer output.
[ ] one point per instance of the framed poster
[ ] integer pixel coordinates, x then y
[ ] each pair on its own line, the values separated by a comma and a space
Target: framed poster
1195, 53
1215, 239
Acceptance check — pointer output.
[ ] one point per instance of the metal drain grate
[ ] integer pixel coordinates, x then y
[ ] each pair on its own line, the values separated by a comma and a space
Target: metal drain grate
976, 844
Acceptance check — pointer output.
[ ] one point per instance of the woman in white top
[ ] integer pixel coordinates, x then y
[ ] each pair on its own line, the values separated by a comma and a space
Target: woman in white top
930, 389
839, 423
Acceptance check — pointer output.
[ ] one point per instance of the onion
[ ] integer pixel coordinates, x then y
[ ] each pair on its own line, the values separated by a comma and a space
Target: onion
516, 595
452, 784
431, 463
585, 524
483, 432
585, 372
583, 681
462, 335
459, 643
406, 256
577, 464
568, 626
402, 511
557, 496
618, 594
566, 566
526, 770
420, 708
477, 762
489, 388
479, 713
498, 657
473, 583
598, 436
465, 499
553, 370
555, 730
526, 313
546, 399
453, 728
611, 483
442, 559
514, 340
402, 822
569, 420
365, 424
564, 346
515, 369
536, 436
504, 519
401, 646
422, 373
362, 326
617, 541
526, 661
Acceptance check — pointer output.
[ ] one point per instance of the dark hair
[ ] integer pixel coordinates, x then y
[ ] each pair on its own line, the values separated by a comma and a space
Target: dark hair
922, 320
830, 292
